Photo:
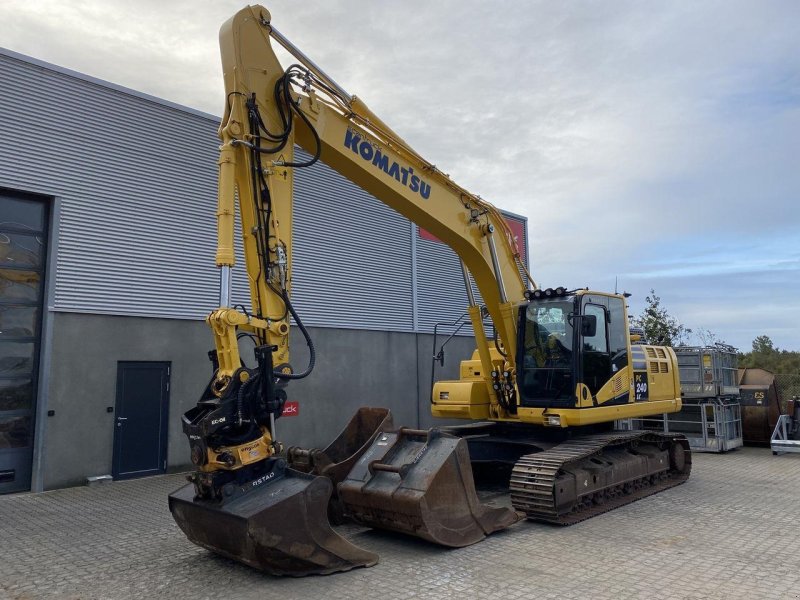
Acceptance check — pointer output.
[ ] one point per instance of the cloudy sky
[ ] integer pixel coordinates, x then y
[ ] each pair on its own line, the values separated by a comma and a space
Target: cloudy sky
653, 143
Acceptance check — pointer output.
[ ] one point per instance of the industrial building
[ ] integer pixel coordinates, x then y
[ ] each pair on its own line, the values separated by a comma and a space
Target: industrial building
107, 240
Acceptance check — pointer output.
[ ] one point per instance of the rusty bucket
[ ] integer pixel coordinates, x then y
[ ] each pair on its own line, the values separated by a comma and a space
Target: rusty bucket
338, 458
335, 461
420, 483
277, 524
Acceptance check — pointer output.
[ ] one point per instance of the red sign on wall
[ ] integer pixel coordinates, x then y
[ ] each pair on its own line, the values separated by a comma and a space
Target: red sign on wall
517, 230
427, 235
291, 409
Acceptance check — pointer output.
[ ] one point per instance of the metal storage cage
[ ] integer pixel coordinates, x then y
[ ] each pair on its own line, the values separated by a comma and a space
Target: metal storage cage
711, 425
707, 372
711, 415
786, 437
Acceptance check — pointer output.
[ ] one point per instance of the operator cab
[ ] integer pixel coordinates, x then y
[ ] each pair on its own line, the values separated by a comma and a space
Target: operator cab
569, 338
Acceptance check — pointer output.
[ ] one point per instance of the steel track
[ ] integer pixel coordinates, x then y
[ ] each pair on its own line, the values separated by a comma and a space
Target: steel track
534, 476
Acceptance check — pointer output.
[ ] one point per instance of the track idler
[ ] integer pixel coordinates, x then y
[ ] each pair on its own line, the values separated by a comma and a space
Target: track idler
277, 523
420, 483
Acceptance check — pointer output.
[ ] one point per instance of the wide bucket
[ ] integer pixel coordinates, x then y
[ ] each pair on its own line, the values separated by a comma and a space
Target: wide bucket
279, 526
420, 483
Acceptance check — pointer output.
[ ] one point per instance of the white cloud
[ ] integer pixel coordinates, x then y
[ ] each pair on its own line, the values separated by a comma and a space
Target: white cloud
625, 131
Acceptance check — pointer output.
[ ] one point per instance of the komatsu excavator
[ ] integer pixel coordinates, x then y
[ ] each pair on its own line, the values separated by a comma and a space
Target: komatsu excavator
541, 396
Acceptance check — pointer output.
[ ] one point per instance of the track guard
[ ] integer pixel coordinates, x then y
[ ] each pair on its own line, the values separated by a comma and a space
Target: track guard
279, 526
420, 483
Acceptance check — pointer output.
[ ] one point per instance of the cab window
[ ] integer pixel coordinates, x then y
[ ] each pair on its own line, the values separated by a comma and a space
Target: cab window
599, 341
617, 333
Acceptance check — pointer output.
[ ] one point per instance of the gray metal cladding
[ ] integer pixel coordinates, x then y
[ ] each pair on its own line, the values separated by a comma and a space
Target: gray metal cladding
136, 180
135, 234
352, 255
441, 294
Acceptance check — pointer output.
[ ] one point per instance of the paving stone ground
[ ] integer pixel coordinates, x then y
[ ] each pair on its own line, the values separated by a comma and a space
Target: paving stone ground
732, 531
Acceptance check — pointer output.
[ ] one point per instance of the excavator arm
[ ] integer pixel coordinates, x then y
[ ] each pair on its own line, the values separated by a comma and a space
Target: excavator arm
270, 109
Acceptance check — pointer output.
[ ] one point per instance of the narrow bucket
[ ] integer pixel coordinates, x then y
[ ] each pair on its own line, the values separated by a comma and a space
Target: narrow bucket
335, 461
279, 526
420, 483
338, 458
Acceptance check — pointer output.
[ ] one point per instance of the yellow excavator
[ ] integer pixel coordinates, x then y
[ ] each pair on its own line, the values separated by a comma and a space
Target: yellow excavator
540, 394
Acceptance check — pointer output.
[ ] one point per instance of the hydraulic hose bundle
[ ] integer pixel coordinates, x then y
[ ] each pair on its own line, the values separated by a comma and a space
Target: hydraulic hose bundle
287, 108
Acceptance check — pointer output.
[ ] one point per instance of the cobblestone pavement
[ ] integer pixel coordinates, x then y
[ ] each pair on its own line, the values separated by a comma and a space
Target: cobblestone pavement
730, 532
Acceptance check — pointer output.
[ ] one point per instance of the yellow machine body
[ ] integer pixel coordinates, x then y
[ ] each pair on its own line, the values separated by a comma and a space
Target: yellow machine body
645, 383
557, 359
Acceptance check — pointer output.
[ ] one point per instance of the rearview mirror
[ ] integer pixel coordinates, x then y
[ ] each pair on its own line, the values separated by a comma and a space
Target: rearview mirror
440, 357
588, 325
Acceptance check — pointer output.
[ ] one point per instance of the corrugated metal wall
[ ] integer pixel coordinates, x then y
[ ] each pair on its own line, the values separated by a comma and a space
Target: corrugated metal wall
352, 255
136, 211
136, 180
441, 294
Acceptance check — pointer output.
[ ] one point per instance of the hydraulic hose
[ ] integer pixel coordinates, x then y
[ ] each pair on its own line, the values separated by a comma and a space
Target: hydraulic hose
312, 358
240, 399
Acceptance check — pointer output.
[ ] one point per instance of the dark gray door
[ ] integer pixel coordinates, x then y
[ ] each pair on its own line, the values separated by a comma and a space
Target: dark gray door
140, 419
23, 235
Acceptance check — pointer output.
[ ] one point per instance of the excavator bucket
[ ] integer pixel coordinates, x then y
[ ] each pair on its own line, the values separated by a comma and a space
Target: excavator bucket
338, 458
280, 527
420, 483
335, 461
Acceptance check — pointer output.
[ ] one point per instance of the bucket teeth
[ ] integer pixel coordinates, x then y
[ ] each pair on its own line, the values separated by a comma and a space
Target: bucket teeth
280, 526
420, 483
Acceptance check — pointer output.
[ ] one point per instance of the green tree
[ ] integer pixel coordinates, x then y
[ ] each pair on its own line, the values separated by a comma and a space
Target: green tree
763, 345
766, 356
659, 326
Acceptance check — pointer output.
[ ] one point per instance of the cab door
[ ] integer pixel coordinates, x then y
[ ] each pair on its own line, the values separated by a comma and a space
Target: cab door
595, 350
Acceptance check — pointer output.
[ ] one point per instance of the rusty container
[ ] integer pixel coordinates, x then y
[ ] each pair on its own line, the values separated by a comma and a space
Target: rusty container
420, 483
760, 405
